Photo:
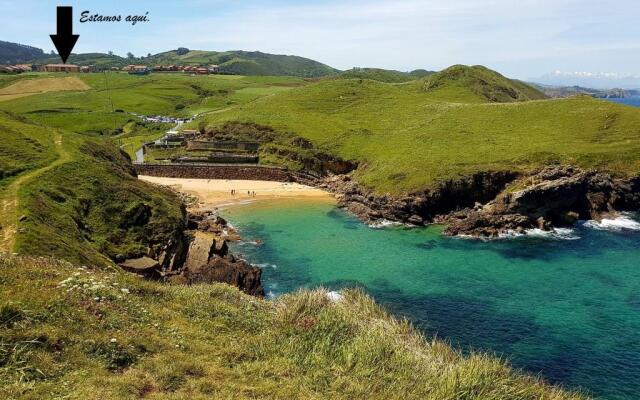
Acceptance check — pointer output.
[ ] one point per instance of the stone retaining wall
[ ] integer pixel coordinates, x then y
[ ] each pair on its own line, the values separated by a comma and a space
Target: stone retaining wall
240, 172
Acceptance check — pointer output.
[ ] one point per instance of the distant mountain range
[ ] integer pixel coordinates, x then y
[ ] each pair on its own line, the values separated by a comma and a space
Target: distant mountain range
231, 62
601, 80
566, 91
236, 62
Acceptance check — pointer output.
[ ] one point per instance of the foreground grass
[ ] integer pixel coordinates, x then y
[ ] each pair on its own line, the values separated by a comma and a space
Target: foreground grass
133, 338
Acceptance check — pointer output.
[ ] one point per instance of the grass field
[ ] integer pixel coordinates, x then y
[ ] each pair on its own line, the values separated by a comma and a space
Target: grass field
106, 108
407, 138
132, 338
28, 87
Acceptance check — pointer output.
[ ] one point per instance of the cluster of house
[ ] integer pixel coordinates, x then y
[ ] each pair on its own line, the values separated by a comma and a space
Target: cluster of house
19, 68
136, 69
143, 69
16, 69
200, 70
131, 69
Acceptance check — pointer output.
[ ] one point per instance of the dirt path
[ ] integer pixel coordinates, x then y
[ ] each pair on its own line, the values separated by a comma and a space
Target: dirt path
9, 197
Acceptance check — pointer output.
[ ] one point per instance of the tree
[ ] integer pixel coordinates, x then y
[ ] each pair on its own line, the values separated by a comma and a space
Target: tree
182, 51
148, 55
130, 56
53, 53
110, 53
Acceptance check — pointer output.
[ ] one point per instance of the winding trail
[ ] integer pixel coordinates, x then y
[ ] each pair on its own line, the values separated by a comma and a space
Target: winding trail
9, 197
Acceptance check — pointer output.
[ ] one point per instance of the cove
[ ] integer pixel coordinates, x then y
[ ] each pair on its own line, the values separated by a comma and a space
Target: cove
568, 310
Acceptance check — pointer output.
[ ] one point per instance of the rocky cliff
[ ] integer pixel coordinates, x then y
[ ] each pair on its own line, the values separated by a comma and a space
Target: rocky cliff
419, 207
490, 203
199, 254
553, 196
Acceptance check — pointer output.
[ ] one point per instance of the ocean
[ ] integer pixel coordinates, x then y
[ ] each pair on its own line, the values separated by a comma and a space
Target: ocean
631, 101
564, 305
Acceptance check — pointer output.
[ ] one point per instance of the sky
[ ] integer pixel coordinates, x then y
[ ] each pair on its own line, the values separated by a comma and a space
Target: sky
520, 38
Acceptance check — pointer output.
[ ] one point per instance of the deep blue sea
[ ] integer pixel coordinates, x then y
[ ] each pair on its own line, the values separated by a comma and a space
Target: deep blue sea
565, 306
632, 101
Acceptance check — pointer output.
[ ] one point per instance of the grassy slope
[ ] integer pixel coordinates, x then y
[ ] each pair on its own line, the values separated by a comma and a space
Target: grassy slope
91, 207
211, 341
407, 138
23, 147
63, 194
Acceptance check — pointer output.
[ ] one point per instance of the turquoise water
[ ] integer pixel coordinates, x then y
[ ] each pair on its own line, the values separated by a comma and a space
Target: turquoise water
567, 309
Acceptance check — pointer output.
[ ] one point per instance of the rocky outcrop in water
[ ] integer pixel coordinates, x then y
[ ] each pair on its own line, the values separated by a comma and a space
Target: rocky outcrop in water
490, 203
200, 255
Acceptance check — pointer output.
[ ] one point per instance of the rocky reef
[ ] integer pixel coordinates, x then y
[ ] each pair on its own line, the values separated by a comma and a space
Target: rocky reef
199, 254
490, 203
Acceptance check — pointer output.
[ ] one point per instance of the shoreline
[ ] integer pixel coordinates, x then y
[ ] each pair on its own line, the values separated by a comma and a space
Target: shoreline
216, 193
483, 206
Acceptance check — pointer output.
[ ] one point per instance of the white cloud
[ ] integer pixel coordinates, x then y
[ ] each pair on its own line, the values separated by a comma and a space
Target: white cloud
521, 38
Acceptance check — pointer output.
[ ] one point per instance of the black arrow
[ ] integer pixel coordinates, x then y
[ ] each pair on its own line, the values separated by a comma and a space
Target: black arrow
64, 40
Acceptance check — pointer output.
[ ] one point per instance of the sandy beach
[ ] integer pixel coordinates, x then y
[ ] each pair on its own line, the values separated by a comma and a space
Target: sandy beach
217, 192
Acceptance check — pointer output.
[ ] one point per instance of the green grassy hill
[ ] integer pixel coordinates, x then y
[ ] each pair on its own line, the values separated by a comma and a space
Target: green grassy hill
236, 62
384, 75
100, 60
23, 147
478, 84
417, 135
247, 63
65, 195
11, 53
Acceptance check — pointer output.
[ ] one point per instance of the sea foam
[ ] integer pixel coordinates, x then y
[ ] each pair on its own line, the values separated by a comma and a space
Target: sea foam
555, 233
383, 223
624, 222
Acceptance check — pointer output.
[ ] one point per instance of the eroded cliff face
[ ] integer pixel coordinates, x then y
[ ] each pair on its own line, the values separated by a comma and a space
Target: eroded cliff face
490, 203
552, 197
199, 254
419, 207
